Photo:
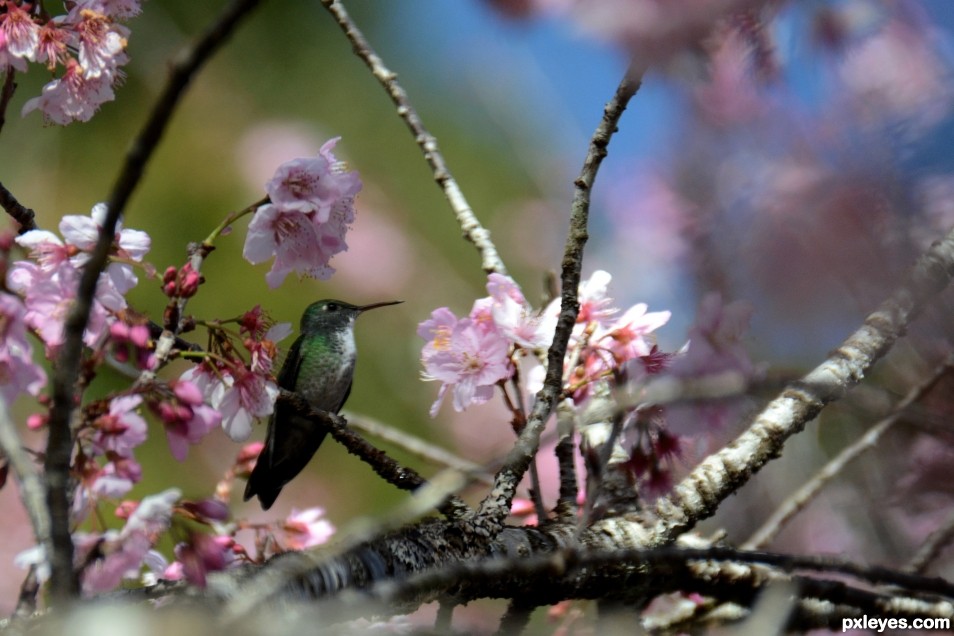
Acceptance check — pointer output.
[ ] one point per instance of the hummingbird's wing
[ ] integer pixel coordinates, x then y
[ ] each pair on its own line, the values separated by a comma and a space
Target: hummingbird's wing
288, 376
287, 379
265, 481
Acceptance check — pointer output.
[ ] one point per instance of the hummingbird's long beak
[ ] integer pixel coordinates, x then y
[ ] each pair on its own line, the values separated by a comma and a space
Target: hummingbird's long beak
365, 308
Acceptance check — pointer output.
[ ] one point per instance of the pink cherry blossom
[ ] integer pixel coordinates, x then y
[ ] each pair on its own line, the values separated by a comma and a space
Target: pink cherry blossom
311, 209
48, 296
115, 479
123, 561
20, 32
153, 513
465, 357
52, 45
72, 97
289, 236
244, 398
120, 9
237, 402
515, 318
626, 337
306, 528
121, 429
18, 373
203, 554
101, 42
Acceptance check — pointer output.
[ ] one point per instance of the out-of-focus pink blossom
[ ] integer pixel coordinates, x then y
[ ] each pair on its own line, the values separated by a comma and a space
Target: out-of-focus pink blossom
203, 554
121, 429
913, 82
18, 372
715, 341
306, 528
123, 560
654, 31
115, 479
120, 9
187, 419
153, 513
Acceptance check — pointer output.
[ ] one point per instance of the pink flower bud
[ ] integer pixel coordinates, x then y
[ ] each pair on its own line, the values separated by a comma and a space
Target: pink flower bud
139, 334
208, 509
36, 421
187, 392
126, 508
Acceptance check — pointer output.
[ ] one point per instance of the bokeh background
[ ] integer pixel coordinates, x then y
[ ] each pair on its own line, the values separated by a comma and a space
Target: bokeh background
803, 185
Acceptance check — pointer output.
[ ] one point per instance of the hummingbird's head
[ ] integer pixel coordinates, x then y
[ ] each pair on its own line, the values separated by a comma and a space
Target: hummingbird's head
335, 314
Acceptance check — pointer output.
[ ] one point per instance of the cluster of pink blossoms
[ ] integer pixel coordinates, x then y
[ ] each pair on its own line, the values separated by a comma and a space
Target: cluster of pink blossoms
310, 209
18, 373
238, 390
474, 353
49, 281
86, 42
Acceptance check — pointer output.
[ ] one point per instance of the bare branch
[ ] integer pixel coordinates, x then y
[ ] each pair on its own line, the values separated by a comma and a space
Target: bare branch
63, 581
469, 224
939, 540
6, 93
801, 498
24, 216
496, 506
724, 472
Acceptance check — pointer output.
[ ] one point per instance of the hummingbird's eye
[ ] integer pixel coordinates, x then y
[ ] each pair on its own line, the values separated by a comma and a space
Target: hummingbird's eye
331, 307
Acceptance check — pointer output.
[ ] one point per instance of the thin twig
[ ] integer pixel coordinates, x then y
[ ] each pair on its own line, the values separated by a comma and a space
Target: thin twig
24, 216
417, 446
63, 580
469, 224
494, 509
801, 498
699, 495
932, 547
6, 93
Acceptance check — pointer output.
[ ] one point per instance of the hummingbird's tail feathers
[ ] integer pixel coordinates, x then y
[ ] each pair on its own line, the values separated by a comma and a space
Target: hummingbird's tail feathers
295, 442
257, 486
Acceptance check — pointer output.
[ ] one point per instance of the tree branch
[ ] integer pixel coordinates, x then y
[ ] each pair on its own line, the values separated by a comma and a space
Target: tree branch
469, 224
724, 472
801, 498
63, 581
24, 216
495, 507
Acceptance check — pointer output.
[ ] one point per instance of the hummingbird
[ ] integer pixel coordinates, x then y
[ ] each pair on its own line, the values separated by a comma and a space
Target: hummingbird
319, 367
